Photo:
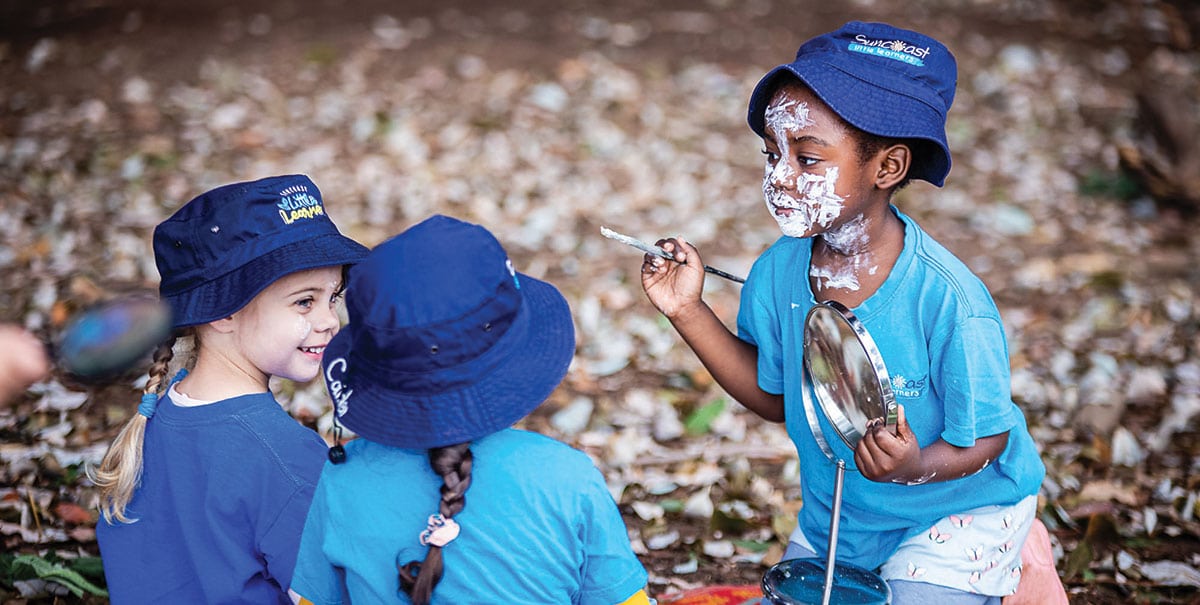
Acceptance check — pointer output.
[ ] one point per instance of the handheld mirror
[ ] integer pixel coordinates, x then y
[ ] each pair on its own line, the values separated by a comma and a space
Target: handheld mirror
852, 386
847, 372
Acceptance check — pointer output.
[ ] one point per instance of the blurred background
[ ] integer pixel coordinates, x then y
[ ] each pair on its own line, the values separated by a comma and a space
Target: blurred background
1074, 195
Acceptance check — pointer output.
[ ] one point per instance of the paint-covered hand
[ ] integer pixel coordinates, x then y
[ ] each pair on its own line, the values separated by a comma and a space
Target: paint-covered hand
673, 286
882, 455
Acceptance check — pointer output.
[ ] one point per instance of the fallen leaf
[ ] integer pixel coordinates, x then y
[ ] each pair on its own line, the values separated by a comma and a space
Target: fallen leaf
72, 513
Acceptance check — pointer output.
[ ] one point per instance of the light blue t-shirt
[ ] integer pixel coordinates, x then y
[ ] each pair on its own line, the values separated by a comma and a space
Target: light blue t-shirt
224, 493
940, 336
539, 526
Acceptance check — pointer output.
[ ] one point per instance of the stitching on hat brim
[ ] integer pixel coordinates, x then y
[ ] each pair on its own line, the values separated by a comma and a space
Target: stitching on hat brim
202, 304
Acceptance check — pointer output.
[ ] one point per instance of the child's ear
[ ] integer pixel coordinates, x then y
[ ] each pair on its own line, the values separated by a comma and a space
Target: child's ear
223, 325
894, 163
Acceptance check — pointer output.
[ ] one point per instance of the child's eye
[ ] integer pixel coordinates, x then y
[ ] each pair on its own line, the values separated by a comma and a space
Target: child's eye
772, 157
305, 302
806, 161
339, 295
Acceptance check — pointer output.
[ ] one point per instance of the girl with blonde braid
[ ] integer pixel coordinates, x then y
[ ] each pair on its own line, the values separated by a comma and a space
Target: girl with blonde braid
205, 490
446, 348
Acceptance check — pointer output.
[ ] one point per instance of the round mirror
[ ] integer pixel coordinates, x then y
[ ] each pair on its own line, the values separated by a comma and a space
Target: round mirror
847, 371
801, 582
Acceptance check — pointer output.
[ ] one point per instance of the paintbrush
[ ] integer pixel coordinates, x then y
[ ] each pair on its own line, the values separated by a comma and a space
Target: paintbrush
659, 252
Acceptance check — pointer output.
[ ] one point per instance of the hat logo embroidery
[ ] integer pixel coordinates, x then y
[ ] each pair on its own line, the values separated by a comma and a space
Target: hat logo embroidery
295, 203
341, 394
891, 49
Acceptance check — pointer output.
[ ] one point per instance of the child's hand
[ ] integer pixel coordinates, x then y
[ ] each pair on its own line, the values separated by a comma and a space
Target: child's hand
23, 361
882, 455
673, 286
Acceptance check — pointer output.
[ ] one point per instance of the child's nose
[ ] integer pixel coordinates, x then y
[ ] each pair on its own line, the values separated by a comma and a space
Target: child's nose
782, 175
327, 319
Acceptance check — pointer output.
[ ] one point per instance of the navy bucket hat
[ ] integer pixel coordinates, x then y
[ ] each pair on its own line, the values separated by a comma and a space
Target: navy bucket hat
446, 341
883, 80
221, 249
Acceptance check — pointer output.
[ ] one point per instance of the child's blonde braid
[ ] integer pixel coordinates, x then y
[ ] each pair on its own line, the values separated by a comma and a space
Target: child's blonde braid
121, 470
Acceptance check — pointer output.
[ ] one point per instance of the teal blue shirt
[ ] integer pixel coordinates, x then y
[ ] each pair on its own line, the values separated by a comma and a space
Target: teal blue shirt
940, 336
539, 526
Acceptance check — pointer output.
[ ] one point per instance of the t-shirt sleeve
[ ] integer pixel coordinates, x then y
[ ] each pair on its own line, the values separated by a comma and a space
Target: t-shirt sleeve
279, 543
758, 325
973, 372
611, 572
315, 578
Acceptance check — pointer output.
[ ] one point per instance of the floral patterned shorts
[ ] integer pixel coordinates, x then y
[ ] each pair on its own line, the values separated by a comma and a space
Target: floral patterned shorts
976, 551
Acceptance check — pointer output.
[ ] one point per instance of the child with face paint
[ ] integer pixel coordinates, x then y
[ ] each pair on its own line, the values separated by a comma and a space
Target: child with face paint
942, 506
205, 490
440, 500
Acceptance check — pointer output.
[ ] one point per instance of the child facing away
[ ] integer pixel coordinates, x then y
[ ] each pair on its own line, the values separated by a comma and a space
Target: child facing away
942, 506
205, 490
440, 501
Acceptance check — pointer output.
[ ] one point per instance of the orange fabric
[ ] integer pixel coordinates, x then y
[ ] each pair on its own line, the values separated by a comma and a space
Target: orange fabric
638, 598
715, 595
1040, 584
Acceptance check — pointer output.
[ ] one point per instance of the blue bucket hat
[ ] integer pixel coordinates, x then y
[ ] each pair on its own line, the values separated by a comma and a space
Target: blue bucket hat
883, 80
221, 249
446, 341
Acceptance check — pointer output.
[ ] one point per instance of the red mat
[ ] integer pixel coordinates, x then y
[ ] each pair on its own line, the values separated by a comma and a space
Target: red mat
715, 595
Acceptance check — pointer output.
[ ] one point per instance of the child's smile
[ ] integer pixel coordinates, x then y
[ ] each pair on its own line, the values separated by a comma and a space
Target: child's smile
299, 309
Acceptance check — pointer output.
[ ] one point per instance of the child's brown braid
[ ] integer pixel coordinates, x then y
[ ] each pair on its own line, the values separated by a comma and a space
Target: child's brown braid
453, 463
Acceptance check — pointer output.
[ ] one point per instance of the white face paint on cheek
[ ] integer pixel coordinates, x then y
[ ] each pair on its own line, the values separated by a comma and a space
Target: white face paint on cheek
816, 203
797, 200
303, 328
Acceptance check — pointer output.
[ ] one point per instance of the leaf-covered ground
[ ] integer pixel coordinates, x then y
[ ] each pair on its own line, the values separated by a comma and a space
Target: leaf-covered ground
547, 120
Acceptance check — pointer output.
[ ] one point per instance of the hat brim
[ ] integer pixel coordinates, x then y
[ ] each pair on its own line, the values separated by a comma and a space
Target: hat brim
225, 295
535, 360
876, 107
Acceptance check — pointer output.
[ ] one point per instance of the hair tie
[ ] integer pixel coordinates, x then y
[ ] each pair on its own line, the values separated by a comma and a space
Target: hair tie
149, 402
440, 531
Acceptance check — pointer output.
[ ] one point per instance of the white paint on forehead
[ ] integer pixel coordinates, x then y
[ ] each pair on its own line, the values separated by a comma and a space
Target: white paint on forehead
780, 118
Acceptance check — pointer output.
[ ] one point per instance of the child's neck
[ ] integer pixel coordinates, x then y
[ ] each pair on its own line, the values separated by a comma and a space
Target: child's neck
217, 377
850, 263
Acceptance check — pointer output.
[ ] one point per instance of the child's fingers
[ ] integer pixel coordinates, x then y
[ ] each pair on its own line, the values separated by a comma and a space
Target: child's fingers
689, 251
866, 454
902, 427
672, 245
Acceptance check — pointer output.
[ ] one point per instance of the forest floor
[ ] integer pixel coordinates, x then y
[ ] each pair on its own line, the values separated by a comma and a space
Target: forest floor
545, 121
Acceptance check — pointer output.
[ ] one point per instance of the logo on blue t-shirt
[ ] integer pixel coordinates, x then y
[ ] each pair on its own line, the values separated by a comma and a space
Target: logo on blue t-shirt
909, 388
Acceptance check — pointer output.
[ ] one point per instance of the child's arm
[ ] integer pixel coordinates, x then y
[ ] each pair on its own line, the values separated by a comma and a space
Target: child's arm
897, 457
674, 288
